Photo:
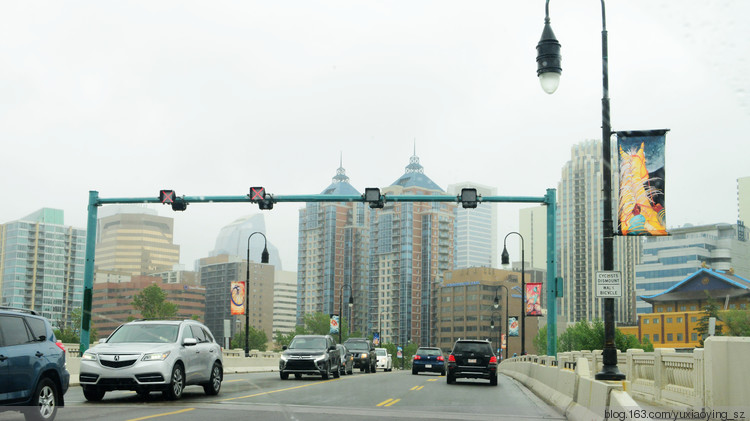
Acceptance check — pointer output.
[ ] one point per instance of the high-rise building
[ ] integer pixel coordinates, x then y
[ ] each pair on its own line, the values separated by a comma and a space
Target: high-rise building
668, 260
580, 239
136, 241
233, 240
743, 200
533, 229
475, 231
332, 255
411, 246
284, 302
113, 301
216, 275
41, 265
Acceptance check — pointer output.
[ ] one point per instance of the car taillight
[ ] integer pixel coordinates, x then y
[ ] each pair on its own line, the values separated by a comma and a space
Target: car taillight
440, 358
451, 358
493, 360
417, 357
60, 345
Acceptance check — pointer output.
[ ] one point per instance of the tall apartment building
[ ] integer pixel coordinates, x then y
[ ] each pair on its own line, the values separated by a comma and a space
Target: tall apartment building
475, 230
41, 265
284, 301
411, 246
216, 275
666, 261
332, 255
113, 301
580, 238
234, 239
743, 200
135, 241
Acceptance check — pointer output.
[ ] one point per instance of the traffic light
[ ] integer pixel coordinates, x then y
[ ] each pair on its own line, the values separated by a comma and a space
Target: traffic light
168, 197
258, 195
469, 198
373, 197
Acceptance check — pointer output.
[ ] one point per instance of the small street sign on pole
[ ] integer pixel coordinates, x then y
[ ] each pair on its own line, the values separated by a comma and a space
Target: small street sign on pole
608, 284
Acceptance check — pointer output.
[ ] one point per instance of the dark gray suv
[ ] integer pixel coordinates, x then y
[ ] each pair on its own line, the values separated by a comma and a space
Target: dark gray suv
472, 359
310, 354
32, 365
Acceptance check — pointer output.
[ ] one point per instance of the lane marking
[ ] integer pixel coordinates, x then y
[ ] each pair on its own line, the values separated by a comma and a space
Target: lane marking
432, 380
396, 400
278, 390
235, 380
384, 402
161, 415
417, 388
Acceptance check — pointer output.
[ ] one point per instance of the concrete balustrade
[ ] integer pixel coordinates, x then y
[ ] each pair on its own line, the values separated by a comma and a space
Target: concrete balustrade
716, 377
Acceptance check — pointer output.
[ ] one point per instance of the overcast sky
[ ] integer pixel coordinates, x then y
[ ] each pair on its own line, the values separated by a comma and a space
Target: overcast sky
211, 98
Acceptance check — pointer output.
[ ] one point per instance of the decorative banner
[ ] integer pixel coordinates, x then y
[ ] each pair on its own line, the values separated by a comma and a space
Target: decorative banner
376, 339
237, 299
399, 352
533, 299
513, 326
334, 324
504, 344
641, 209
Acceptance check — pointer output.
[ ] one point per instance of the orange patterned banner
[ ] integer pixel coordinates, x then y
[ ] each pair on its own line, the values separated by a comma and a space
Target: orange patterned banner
237, 300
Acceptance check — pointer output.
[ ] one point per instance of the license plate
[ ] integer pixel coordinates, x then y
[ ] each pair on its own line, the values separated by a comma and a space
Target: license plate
472, 360
428, 366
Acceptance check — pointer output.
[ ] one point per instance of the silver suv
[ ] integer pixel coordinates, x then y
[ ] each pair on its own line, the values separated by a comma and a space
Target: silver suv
153, 355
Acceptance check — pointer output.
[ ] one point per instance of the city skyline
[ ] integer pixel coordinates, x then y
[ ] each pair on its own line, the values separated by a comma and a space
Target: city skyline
213, 99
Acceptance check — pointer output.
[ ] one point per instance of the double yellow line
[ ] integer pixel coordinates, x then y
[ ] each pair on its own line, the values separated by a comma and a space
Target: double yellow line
388, 402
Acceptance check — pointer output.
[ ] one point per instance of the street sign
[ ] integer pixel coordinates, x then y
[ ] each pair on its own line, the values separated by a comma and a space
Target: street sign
608, 284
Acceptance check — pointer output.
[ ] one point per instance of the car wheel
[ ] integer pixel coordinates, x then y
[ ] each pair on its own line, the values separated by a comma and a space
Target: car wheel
493, 381
336, 373
414, 371
93, 393
373, 368
451, 379
442, 373
214, 384
44, 402
283, 375
351, 371
177, 385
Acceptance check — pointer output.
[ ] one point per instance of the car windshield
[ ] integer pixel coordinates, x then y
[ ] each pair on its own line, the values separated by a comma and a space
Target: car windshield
477, 348
381, 352
147, 332
429, 352
308, 343
358, 346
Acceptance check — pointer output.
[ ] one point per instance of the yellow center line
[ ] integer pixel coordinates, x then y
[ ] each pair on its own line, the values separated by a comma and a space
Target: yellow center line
235, 380
278, 390
414, 388
432, 380
161, 415
384, 402
394, 401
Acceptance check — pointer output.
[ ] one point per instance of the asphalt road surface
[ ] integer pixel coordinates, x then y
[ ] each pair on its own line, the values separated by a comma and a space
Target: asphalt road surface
264, 396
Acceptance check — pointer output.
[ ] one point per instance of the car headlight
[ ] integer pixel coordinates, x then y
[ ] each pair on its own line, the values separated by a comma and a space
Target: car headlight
364, 355
320, 357
88, 356
284, 357
156, 356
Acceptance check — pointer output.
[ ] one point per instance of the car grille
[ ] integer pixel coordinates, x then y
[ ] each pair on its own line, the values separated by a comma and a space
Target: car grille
150, 377
117, 360
88, 377
292, 365
117, 364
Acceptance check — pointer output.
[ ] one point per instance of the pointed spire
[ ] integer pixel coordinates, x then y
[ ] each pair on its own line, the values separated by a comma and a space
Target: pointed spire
340, 176
414, 165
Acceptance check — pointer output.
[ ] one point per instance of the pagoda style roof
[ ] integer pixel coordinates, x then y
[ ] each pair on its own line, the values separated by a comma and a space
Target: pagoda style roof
340, 184
414, 176
716, 284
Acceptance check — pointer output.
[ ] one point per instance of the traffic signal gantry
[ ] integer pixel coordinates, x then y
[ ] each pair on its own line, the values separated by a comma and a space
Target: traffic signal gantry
468, 198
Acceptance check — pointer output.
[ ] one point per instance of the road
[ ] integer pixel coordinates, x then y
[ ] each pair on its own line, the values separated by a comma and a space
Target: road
378, 396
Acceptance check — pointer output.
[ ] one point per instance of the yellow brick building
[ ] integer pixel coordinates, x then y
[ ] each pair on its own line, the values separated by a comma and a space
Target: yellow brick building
677, 311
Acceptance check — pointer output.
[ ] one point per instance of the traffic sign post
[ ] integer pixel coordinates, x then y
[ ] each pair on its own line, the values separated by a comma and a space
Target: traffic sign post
608, 284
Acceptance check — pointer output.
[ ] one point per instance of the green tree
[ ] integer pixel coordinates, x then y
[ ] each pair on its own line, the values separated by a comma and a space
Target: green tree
589, 336
711, 309
737, 322
152, 304
258, 339
647, 346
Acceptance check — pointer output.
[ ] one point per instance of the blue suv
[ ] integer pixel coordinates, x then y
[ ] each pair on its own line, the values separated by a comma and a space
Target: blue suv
32, 365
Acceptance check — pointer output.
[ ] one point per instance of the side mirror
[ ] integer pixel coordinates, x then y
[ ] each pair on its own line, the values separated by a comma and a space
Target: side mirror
189, 341
284, 347
102, 340
332, 348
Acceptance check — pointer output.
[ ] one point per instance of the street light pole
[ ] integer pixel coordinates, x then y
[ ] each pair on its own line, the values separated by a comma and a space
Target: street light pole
548, 61
499, 329
263, 259
341, 308
506, 260
496, 304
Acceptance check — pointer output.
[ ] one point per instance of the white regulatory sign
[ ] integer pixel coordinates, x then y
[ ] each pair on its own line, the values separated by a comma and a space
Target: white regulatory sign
608, 284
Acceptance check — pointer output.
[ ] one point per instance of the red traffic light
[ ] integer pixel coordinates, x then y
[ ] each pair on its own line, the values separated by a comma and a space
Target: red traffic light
166, 196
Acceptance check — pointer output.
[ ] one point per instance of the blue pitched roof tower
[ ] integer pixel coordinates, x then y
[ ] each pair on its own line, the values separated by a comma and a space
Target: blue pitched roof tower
414, 176
340, 184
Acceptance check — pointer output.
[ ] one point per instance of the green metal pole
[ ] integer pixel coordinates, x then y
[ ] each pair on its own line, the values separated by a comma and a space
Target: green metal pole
552, 292
88, 270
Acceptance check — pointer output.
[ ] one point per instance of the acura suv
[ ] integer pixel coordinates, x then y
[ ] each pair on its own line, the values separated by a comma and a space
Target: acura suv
472, 359
153, 355
33, 374
310, 354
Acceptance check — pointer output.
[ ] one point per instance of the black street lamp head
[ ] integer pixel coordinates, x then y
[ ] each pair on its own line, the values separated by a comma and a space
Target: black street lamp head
351, 301
496, 303
504, 258
264, 255
548, 59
